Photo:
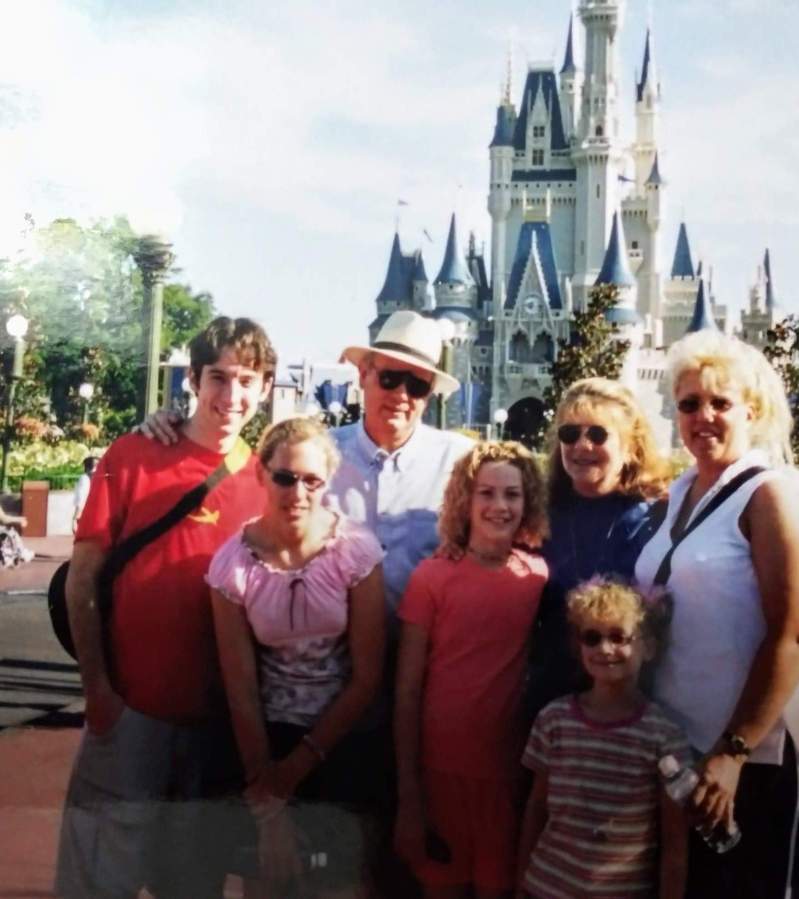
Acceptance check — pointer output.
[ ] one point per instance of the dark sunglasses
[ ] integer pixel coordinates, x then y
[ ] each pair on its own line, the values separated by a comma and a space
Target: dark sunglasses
592, 638
285, 478
690, 404
389, 379
570, 434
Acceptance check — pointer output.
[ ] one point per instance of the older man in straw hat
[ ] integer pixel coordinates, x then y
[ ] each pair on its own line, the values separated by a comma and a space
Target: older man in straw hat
395, 468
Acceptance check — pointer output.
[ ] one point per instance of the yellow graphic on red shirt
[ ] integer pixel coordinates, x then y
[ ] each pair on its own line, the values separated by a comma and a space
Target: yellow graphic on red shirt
206, 516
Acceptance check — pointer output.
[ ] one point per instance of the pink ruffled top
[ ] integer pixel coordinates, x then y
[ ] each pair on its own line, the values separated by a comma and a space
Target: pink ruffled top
299, 617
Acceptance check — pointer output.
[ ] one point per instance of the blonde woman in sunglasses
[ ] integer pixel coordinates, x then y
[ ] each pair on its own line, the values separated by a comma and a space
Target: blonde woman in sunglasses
300, 624
605, 472
730, 672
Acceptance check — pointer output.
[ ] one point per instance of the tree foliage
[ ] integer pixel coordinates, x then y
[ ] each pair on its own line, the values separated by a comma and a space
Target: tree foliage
82, 294
782, 351
593, 350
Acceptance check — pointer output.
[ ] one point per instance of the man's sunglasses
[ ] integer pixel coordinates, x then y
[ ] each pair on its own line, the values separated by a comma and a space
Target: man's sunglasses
592, 638
285, 478
570, 434
691, 404
389, 379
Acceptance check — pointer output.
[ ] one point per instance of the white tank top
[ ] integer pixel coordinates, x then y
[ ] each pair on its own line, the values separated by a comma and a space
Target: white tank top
718, 621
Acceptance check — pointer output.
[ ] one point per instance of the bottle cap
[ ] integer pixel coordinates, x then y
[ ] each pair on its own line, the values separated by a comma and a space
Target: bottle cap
669, 766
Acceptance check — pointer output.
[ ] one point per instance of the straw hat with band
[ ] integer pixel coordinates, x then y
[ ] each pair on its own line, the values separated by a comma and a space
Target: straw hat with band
411, 338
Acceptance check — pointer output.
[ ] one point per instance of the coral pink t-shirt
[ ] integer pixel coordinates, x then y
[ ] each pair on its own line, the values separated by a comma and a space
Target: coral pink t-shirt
299, 617
479, 623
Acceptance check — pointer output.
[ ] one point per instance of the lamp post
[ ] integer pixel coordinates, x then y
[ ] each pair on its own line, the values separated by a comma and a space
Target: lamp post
335, 409
17, 328
447, 329
500, 417
153, 255
86, 392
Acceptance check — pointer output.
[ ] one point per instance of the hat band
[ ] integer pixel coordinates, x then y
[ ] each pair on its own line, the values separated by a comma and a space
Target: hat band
401, 348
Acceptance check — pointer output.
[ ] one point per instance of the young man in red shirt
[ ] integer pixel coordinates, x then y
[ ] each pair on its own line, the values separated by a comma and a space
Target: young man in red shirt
156, 726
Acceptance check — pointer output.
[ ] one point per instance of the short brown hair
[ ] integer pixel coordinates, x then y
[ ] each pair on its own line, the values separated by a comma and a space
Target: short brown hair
297, 430
454, 524
251, 343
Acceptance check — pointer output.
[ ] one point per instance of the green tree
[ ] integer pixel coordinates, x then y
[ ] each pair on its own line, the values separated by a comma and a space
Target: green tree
593, 350
782, 351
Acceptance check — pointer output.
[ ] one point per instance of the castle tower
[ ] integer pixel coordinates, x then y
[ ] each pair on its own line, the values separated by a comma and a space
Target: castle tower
649, 278
616, 271
702, 319
499, 194
764, 311
454, 285
405, 286
647, 114
597, 155
570, 85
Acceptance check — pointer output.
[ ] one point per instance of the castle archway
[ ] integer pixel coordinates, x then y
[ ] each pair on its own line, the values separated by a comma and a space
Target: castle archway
524, 418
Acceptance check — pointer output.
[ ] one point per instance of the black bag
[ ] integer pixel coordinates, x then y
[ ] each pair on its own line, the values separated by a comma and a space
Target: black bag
120, 555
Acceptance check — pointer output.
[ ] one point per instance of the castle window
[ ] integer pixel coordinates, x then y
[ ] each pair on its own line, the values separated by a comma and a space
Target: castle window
600, 131
598, 191
539, 130
538, 157
635, 245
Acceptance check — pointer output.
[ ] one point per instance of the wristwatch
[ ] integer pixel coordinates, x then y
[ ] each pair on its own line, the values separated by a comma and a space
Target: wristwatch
736, 744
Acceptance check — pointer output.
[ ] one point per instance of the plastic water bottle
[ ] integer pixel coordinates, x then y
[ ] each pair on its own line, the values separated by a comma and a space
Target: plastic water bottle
679, 783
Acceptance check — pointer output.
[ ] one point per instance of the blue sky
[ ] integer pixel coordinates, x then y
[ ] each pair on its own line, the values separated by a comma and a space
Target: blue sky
272, 141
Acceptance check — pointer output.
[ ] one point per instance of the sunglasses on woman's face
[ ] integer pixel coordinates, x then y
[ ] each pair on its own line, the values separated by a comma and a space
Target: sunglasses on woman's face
570, 434
285, 478
690, 404
390, 379
616, 637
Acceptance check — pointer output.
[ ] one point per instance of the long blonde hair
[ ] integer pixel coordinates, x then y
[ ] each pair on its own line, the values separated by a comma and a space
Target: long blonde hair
454, 523
740, 365
644, 472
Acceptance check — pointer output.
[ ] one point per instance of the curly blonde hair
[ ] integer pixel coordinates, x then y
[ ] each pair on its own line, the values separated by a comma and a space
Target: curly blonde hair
737, 364
455, 520
297, 430
645, 471
603, 599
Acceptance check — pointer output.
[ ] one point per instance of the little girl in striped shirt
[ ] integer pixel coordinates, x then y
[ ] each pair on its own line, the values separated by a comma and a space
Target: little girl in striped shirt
598, 821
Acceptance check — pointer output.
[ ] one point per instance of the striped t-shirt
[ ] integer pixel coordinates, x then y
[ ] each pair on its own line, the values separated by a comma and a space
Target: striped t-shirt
601, 835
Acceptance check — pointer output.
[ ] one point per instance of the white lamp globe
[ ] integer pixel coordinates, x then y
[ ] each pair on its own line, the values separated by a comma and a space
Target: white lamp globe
17, 326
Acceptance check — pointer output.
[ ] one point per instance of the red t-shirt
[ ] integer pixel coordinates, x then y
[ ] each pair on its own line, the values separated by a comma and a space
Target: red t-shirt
479, 623
164, 660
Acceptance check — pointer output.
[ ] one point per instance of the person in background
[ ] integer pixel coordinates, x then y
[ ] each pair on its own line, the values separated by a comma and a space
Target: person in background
598, 821
300, 624
459, 727
729, 674
82, 490
12, 550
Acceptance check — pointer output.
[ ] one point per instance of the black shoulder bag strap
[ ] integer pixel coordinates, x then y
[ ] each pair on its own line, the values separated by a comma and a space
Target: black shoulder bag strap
121, 554
664, 571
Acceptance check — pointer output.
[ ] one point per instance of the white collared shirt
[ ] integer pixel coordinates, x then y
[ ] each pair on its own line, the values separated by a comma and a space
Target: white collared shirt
398, 495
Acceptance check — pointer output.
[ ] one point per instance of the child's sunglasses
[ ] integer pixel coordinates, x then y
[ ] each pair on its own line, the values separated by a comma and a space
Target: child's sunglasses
570, 434
285, 478
592, 638
390, 379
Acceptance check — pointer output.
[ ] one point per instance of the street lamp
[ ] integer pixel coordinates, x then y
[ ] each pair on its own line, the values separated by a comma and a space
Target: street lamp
86, 392
447, 331
335, 409
500, 417
153, 255
17, 328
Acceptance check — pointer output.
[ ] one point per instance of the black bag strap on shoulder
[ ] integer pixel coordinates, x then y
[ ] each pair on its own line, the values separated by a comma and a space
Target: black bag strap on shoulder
664, 570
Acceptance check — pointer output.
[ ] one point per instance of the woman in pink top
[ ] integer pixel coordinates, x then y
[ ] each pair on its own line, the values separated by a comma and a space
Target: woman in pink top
459, 724
300, 624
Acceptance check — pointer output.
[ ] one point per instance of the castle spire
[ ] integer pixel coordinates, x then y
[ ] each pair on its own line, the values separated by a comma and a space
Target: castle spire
770, 300
568, 60
655, 177
683, 266
394, 285
616, 267
648, 74
453, 268
702, 319
506, 99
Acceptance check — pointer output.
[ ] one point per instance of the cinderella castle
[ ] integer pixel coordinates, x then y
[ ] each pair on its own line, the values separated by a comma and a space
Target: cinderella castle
570, 207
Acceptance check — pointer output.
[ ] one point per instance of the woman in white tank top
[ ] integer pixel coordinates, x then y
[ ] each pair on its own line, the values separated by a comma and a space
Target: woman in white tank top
731, 670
